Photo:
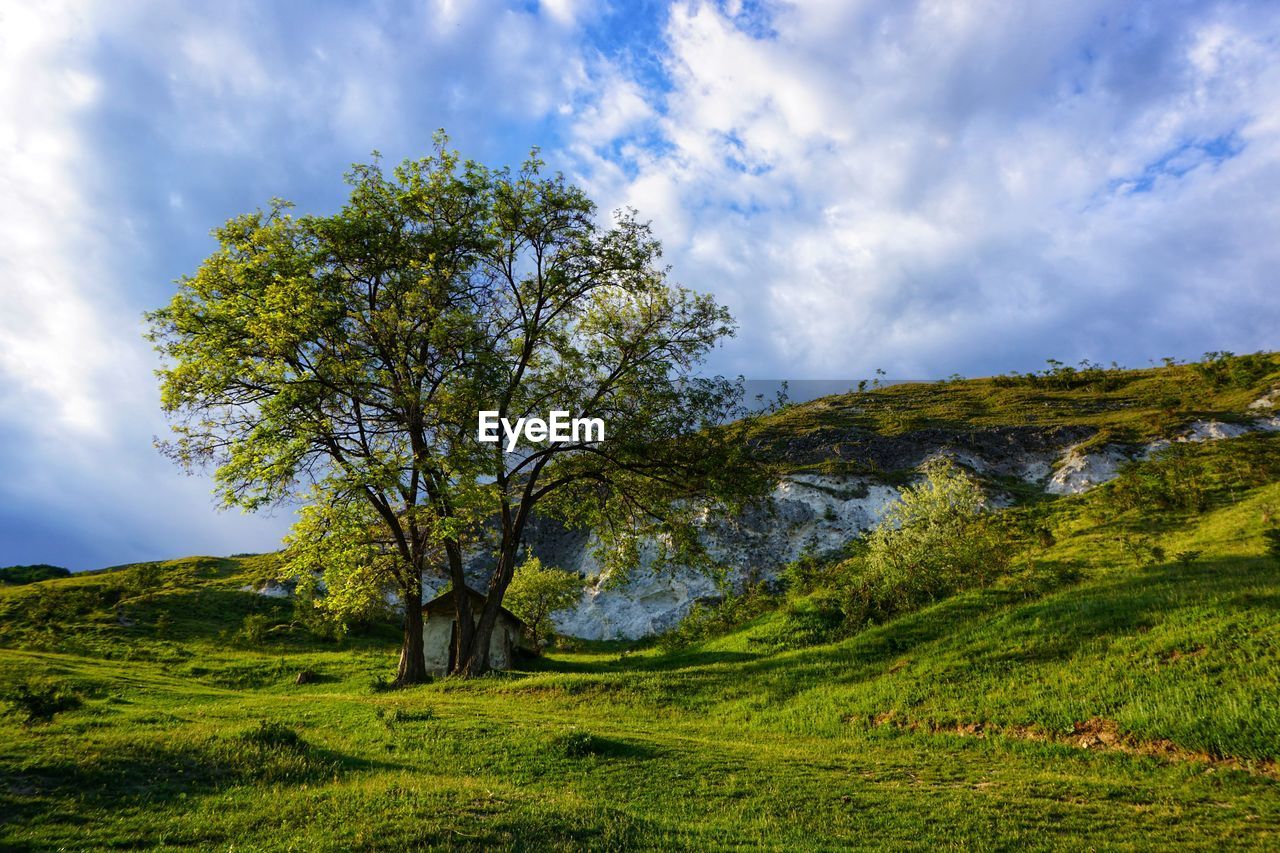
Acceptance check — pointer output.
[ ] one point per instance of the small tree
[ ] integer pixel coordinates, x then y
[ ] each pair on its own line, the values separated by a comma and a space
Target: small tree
934, 540
537, 592
341, 361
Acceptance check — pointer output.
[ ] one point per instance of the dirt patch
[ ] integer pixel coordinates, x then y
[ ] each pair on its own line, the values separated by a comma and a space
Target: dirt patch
1177, 654
1096, 733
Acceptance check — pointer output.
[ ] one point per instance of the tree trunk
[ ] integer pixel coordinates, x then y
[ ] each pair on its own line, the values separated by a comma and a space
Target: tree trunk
413, 664
464, 630
477, 663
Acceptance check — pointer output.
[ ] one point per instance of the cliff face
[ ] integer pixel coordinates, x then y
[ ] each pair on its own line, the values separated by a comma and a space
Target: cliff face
811, 512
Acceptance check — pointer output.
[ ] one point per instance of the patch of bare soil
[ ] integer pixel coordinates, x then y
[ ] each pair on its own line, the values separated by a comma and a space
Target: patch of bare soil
1097, 733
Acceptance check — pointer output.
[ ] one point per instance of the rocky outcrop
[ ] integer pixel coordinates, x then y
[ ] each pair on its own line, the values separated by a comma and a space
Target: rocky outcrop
804, 513
1077, 471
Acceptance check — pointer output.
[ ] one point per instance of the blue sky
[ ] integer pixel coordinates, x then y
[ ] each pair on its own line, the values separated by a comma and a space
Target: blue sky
923, 187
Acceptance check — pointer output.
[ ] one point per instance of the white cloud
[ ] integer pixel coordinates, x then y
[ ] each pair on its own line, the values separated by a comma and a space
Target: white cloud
56, 344
129, 131
938, 186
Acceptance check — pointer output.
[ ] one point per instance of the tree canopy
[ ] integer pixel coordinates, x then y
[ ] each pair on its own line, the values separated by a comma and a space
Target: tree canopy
537, 592
340, 361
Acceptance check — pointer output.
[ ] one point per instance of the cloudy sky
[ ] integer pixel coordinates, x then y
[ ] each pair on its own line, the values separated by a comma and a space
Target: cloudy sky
923, 187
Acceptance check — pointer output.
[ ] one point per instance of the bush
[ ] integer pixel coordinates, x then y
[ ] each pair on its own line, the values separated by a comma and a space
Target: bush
1063, 377
707, 620
253, 630
811, 571
537, 592
806, 622
1191, 476
38, 700
576, 743
936, 540
274, 736
16, 575
1273, 542
1228, 370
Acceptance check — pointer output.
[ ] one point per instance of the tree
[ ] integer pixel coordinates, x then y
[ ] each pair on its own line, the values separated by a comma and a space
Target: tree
936, 539
341, 361
538, 591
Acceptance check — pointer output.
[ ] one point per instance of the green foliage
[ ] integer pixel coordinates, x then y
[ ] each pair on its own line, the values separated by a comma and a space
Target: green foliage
1227, 370
253, 630
1192, 476
270, 735
537, 592
38, 700
1187, 558
709, 619
1272, 536
1117, 405
936, 539
341, 361
807, 621
576, 743
344, 545
1063, 377
18, 575
967, 722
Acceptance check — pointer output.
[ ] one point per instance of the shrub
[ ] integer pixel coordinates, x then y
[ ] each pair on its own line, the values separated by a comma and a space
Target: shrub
1228, 370
712, 619
253, 630
1273, 542
806, 622
937, 539
1063, 377
1186, 558
537, 592
274, 736
576, 743
39, 700
16, 575
811, 571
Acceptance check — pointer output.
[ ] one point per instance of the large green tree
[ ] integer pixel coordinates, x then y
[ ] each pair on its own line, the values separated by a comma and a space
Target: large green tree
340, 361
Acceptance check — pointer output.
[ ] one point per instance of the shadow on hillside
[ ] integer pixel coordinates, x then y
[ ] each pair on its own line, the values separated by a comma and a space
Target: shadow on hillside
1136, 601
1053, 627
638, 663
150, 772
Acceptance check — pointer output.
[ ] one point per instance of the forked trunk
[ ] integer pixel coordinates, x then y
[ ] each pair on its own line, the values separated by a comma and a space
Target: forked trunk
413, 664
463, 631
477, 662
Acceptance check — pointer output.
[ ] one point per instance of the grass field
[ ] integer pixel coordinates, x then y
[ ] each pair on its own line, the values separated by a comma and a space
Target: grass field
1097, 696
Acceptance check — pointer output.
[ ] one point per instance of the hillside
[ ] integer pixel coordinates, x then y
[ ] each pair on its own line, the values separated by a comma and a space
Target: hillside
1114, 686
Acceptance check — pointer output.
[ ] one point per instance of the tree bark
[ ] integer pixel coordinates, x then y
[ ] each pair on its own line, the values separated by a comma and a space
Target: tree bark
413, 664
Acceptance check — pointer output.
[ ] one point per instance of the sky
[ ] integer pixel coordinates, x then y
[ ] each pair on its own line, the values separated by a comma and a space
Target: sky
927, 188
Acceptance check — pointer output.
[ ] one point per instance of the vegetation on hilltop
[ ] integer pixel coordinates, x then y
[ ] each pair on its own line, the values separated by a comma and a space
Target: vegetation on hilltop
1110, 404
17, 575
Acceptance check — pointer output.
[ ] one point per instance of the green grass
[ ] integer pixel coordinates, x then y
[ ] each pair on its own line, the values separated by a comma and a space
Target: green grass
870, 741
1094, 697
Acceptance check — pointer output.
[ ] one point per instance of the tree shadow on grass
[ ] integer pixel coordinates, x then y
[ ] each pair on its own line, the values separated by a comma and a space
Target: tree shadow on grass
637, 663
1056, 625
143, 772
1138, 600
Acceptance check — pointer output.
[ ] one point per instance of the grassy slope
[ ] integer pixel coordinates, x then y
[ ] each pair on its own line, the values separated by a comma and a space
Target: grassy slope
1127, 406
965, 723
